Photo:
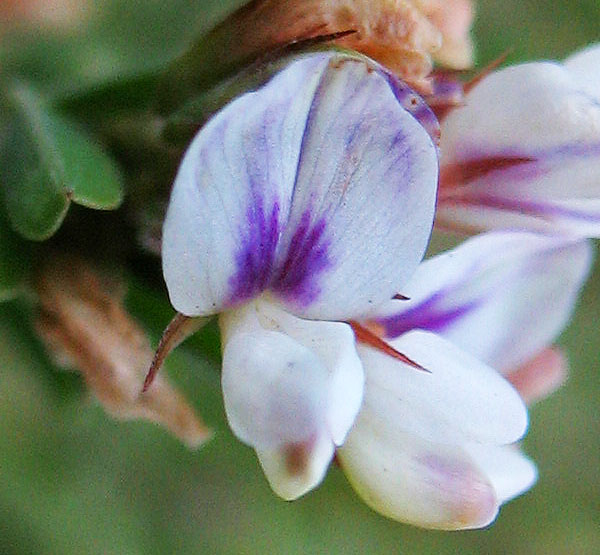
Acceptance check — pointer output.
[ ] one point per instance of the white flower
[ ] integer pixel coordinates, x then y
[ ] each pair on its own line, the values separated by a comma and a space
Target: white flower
426, 451
312, 197
524, 151
300, 207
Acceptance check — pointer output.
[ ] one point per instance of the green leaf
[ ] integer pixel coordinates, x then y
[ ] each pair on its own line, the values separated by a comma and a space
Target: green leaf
45, 162
94, 42
113, 98
14, 254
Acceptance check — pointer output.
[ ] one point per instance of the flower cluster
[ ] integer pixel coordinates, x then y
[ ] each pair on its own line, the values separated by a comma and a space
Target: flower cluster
300, 215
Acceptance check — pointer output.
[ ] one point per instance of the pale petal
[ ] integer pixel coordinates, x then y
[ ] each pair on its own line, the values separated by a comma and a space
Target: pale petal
503, 297
233, 191
530, 106
412, 480
363, 200
526, 144
470, 214
510, 472
458, 399
584, 66
296, 469
320, 176
334, 345
274, 389
292, 389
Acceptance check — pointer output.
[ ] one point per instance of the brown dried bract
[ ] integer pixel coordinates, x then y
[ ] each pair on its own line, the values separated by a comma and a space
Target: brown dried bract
403, 35
453, 19
60, 15
84, 324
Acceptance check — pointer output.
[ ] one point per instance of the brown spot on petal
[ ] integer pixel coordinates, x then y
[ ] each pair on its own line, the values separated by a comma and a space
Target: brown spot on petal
296, 457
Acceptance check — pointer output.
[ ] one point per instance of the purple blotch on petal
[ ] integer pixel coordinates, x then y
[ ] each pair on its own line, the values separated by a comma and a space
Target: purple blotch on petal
294, 279
256, 255
425, 316
306, 257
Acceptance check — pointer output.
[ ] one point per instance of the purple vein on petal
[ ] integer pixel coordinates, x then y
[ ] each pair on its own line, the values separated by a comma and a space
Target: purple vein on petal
425, 316
256, 254
547, 210
514, 164
306, 257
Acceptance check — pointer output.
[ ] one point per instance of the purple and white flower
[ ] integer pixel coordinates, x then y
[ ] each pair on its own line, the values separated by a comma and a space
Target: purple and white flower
297, 209
524, 150
503, 297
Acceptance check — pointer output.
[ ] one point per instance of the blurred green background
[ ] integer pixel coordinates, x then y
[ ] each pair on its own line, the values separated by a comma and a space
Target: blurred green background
74, 481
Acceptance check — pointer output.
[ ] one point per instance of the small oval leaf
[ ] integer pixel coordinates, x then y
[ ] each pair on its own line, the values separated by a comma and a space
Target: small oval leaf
45, 162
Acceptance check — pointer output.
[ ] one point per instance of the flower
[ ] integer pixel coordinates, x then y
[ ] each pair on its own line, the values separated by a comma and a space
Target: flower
300, 207
266, 224
284, 184
504, 309
524, 151
501, 297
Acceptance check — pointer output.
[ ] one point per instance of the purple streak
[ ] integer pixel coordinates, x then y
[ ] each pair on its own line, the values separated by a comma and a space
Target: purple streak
427, 316
295, 277
415, 105
256, 255
541, 209
306, 257
528, 164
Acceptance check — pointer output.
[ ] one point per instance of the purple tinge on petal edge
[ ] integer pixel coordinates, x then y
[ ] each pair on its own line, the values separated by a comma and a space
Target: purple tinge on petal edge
415, 105
425, 316
295, 276
515, 163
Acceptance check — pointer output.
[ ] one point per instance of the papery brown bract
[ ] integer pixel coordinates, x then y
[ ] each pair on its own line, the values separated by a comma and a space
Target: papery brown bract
60, 15
86, 327
403, 35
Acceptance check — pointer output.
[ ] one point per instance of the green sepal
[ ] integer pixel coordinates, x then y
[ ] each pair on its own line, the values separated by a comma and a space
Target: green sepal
218, 55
